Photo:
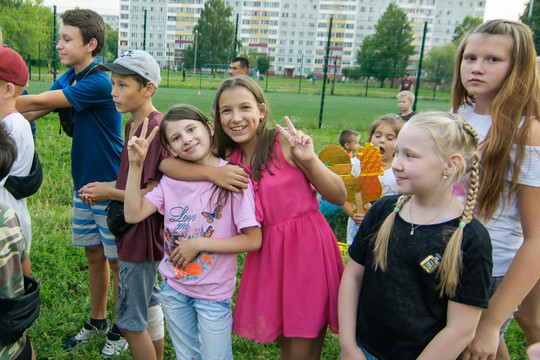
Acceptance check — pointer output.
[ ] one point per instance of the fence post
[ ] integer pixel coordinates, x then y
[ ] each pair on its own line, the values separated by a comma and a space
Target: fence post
39, 61
301, 68
325, 71
29, 62
368, 74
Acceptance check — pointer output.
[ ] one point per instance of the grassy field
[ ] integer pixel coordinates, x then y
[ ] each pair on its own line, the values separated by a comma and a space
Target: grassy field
61, 268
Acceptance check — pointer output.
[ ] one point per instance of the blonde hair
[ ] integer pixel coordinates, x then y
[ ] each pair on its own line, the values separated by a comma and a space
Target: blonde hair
518, 98
450, 134
407, 95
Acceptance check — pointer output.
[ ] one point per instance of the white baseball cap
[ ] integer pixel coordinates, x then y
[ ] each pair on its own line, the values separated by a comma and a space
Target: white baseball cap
136, 62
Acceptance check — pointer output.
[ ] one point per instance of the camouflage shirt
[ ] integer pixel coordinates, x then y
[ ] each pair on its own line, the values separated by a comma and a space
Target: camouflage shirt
12, 254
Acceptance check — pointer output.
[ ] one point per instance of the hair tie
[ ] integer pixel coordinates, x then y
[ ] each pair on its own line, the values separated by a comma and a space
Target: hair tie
462, 224
396, 209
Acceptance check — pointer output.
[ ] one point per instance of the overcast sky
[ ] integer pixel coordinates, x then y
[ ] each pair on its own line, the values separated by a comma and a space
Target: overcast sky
495, 9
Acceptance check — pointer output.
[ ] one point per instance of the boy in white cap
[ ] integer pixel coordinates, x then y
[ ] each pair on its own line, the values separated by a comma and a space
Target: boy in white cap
135, 77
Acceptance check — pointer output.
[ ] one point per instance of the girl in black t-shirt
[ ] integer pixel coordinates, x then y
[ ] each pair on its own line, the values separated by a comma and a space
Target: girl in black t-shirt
420, 265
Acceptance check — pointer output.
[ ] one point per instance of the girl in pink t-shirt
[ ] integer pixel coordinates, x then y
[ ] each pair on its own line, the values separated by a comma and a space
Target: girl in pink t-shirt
205, 227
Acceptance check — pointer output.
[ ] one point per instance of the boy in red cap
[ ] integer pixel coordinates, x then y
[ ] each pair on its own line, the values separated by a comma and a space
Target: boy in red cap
13, 78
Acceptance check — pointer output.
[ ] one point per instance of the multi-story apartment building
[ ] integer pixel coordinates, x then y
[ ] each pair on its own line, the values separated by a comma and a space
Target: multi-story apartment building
292, 33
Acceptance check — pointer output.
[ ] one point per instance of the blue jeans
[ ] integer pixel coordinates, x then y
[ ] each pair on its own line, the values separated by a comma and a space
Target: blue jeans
368, 355
199, 329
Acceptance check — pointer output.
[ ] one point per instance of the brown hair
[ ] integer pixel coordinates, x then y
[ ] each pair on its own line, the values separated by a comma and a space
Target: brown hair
391, 119
189, 112
264, 152
90, 24
450, 134
8, 151
517, 99
347, 136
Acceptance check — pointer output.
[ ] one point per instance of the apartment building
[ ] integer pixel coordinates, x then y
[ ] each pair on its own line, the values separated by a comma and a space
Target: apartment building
292, 33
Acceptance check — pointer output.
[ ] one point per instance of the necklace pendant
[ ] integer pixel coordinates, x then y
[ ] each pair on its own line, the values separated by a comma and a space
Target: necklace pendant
412, 231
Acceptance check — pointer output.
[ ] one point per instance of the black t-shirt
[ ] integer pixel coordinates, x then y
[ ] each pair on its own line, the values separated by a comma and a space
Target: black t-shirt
406, 118
399, 310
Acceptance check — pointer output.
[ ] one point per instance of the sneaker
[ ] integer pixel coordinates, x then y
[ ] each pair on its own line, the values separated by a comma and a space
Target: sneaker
87, 332
114, 345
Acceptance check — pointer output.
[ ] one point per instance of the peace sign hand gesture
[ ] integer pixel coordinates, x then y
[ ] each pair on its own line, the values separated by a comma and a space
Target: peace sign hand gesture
301, 144
138, 146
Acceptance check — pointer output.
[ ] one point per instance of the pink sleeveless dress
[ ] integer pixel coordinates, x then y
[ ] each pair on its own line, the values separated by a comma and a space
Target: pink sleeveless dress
290, 286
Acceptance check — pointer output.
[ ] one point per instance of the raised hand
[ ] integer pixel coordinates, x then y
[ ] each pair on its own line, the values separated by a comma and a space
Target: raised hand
138, 146
301, 144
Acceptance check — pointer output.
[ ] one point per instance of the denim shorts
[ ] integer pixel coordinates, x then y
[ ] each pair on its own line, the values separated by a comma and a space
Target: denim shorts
89, 226
137, 291
199, 329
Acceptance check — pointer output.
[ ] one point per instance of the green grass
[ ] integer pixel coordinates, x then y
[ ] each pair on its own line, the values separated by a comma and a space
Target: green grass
61, 268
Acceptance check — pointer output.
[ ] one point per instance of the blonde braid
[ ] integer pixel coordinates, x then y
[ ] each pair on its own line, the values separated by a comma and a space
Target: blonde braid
451, 262
380, 249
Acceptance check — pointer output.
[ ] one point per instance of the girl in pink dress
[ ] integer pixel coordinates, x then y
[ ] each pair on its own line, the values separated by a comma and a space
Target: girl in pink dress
289, 287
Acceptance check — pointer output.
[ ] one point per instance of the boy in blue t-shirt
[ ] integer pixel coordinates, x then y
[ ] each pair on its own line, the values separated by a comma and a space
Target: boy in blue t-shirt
95, 156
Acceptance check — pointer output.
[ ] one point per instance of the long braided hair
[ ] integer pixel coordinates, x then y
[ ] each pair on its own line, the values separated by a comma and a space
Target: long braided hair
450, 134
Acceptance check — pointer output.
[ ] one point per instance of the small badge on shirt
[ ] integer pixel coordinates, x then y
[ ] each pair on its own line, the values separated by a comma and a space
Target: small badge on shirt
430, 263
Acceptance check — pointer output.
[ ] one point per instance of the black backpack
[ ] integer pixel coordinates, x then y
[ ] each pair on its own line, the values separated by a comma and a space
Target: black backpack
17, 314
67, 115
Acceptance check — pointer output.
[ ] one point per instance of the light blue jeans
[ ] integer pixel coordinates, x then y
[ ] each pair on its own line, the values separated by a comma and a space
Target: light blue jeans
199, 329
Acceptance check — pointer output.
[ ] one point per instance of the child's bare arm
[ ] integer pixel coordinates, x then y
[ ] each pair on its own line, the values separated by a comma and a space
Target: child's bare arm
349, 292
136, 207
461, 322
33, 115
300, 149
249, 240
48, 100
230, 177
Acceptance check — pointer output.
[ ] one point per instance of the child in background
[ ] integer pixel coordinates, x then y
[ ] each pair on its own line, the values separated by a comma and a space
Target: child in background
13, 78
288, 291
349, 141
405, 104
497, 90
419, 268
135, 78
205, 227
383, 134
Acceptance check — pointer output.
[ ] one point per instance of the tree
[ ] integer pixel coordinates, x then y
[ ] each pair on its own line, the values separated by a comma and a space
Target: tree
352, 72
385, 54
27, 27
215, 36
533, 22
438, 64
110, 50
263, 64
467, 24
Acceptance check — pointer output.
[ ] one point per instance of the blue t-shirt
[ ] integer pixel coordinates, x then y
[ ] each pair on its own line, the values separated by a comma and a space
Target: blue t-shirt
97, 134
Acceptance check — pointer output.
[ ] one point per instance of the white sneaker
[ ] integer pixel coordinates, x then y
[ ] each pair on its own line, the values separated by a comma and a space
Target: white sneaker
87, 332
114, 345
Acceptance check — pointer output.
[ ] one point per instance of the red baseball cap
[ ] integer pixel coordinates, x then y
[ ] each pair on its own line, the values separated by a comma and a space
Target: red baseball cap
12, 67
